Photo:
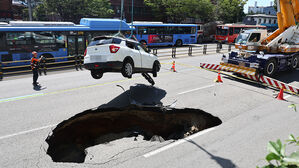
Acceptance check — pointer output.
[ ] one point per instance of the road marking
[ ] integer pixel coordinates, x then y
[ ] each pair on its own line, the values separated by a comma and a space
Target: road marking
288, 96
178, 142
20, 97
72, 89
26, 132
204, 87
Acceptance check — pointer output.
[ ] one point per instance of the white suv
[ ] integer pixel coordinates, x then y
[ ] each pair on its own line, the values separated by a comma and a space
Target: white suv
116, 54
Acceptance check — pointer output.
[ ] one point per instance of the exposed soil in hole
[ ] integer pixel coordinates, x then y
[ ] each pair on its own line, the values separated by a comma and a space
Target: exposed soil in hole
104, 124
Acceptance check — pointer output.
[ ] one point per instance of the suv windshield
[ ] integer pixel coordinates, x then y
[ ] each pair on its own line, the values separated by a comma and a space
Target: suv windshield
104, 40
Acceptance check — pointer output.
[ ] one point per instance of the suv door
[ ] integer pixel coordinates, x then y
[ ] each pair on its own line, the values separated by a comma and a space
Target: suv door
134, 53
146, 58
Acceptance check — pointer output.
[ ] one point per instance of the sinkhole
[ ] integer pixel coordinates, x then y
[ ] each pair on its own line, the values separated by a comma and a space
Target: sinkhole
116, 120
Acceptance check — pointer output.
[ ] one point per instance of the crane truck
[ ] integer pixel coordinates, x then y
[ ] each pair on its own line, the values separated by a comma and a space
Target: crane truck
268, 54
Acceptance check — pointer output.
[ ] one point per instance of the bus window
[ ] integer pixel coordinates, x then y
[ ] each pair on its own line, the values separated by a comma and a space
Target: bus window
81, 45
221, 32
19, 38
186, 30
142, 30
60, 40
231, 31
2, 42
193, 30
44, 37
237, 30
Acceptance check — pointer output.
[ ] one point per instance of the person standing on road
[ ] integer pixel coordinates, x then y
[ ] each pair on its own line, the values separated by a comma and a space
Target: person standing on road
34, 66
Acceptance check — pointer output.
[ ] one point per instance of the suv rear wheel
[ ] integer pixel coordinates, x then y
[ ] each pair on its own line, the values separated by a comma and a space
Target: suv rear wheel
127, 69
96, 74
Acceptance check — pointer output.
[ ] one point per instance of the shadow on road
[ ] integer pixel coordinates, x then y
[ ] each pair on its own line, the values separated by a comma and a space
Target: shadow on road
225, 163
139, 94
38, 88
288, 76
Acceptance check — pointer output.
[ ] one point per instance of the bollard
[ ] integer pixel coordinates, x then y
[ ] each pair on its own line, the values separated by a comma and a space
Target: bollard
190, 51
155, 51
1, 74
205, 49
229, 47
218, 48
81, 59
76, 62
173, 52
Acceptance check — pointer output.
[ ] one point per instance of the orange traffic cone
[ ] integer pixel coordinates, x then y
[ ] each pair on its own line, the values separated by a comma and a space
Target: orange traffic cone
280, 95
218, 79
173, 67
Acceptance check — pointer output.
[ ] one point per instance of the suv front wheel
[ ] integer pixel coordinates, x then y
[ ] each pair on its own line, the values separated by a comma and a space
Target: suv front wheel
96, 74
127, 69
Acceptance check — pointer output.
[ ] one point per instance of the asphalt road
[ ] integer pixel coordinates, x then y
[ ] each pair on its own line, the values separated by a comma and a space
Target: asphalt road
250, 114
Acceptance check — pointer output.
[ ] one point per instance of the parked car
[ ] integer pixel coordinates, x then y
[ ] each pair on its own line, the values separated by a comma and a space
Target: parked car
117, 54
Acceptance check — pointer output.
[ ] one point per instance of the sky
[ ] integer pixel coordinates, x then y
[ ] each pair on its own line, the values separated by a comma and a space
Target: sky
259, 3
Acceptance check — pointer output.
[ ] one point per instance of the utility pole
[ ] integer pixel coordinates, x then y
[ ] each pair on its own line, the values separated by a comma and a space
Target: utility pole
29, 10
132, 18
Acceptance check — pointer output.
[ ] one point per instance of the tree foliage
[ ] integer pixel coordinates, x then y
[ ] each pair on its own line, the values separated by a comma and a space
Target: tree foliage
230, 11
179, 10
72, 10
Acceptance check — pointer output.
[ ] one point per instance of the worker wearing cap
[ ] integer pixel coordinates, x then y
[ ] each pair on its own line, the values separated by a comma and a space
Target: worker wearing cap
34, 66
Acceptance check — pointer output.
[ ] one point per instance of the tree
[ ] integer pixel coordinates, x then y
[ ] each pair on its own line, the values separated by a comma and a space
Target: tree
72, 10
178, 10
230, 11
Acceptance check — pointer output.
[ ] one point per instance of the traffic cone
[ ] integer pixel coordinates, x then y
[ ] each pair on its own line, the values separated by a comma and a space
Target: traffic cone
173, 67
280, 95
218, 79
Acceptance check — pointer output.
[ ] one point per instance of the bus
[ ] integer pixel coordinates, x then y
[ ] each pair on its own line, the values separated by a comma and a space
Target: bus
161, 34
52, 39
228, 33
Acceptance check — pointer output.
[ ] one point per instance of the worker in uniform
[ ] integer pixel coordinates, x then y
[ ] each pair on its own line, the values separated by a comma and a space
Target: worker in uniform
34, 66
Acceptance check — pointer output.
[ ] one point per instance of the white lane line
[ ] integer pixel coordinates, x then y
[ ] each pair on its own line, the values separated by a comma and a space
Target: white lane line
20, 97
204, 87
26, 132
288, 96
178, 142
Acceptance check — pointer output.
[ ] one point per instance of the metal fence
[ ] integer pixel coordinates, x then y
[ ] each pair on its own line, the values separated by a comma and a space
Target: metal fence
191, 50
77, 61
44, 65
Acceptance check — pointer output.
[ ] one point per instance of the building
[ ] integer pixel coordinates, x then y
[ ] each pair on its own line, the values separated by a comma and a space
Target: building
269, 21
11, 10
6, 13
141, 12
268, 10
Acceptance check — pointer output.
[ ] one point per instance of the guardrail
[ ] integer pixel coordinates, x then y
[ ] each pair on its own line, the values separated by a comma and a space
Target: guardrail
44, 65
77, 60
191, 50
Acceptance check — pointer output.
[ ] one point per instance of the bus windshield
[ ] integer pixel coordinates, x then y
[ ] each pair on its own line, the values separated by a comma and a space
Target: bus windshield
221, 32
